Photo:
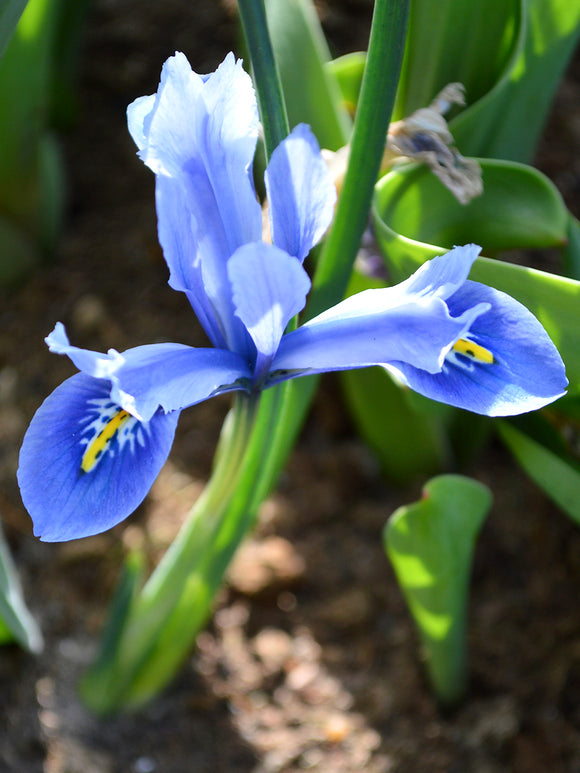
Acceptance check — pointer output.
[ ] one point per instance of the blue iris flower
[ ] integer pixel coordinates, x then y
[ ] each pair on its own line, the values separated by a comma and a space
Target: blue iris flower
97, 443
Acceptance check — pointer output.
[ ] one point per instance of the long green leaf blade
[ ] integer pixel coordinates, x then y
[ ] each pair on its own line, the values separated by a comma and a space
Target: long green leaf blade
558, 477
14, 615
311, 92
10, 13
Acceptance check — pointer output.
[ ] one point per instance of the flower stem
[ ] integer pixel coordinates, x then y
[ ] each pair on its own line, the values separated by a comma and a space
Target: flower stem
377, 97
266, 78
161, 623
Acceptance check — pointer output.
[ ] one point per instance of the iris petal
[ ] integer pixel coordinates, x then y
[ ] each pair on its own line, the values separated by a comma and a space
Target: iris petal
177, 236
174, 376
93, 364
269, 288
300, 192
170, 376
201, 132
442, 275
68, 487
375, 327
526, 373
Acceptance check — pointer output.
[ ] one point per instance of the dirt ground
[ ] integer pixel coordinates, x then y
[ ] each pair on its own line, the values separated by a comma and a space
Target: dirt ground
311, 661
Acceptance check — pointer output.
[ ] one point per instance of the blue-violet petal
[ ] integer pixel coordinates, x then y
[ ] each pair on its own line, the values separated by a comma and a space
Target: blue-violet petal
85, 464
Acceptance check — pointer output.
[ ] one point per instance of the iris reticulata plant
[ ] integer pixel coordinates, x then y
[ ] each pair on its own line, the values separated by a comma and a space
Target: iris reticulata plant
97, 443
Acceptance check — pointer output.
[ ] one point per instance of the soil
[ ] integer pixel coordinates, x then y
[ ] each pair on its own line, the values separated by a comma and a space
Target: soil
310, 661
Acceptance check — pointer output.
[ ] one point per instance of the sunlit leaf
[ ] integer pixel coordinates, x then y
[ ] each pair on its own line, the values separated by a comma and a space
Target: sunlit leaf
507, 121
430, 545
470, 41
348, 71
519, 208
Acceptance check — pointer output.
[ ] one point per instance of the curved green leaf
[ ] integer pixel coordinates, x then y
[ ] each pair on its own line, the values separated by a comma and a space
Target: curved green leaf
509, 55
519, 208
507, 121
474, 42
430, 545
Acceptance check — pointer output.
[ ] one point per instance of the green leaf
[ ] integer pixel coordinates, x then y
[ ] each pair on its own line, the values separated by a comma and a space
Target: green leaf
571, 252
10, 13
519, 208
470, 41
413, 224
430, 545
349, 71
311, 91
16, 622
31, 179
510, 56
508, 120
271, 103
405, 431
556, 475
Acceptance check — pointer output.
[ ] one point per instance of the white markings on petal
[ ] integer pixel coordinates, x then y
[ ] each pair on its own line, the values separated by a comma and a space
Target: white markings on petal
108, 428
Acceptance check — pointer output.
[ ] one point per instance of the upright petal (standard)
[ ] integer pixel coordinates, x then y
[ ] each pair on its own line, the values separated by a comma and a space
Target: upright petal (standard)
300, 192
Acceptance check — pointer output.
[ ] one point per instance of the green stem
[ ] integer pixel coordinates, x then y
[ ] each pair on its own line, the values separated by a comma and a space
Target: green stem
161, 622
377, 97
266, 79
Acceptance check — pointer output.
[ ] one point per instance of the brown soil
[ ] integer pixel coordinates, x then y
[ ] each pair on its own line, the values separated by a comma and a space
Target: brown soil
311, 661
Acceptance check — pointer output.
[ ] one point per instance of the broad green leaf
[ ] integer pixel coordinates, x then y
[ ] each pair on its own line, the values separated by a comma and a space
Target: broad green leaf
430, 545
10, 13
16, 622
311, 91
556, 475
519, 207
